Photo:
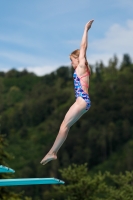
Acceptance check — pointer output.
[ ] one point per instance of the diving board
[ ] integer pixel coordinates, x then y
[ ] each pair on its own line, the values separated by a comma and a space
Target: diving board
29, 181
25, 181
4, 169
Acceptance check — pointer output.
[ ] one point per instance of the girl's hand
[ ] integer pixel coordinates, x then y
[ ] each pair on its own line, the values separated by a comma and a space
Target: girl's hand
88, 25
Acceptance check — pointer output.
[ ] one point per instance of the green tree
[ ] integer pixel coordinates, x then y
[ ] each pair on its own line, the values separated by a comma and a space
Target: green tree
5, 193
33, 108
80, 185
126, 62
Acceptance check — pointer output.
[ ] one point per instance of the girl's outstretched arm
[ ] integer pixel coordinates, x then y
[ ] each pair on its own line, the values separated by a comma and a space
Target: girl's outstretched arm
84, 44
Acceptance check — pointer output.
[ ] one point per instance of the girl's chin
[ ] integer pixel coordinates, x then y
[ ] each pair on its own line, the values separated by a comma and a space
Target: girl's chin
74, 67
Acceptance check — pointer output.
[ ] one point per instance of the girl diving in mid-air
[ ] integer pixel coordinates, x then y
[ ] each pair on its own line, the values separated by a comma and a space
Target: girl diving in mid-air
82, 104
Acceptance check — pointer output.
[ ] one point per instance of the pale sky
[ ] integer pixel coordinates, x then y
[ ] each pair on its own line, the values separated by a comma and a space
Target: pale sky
39, 35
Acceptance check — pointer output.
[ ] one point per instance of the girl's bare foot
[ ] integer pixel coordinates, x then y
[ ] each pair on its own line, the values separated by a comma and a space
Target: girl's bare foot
48, 158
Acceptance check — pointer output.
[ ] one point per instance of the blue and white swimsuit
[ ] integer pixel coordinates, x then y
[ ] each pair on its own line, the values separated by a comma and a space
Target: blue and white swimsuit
79, 92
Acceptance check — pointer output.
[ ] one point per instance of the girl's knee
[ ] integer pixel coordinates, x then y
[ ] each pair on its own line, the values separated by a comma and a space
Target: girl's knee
65, 125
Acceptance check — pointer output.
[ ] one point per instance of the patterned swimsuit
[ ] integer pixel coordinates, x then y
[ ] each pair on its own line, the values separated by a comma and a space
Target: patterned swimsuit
79, 92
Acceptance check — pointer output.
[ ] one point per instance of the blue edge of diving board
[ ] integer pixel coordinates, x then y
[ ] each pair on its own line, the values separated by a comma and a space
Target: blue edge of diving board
25, 181
4, 169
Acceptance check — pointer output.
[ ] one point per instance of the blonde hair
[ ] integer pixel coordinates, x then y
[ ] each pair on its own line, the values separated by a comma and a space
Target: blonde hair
76, 53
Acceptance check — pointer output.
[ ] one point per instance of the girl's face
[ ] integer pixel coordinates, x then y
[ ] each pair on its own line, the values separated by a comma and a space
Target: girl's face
74, 61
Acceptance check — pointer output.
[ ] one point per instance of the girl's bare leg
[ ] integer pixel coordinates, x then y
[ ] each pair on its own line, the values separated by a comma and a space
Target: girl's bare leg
73, 114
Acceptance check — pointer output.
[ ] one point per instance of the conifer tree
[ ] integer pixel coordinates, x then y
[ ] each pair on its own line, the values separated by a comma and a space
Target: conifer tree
79, 184
5, 193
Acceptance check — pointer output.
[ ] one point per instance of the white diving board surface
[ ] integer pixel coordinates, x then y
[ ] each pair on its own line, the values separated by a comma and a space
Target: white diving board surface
4, 169
29, 181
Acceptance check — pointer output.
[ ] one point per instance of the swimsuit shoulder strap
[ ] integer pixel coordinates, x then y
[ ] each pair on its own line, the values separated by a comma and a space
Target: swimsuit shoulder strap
84, 75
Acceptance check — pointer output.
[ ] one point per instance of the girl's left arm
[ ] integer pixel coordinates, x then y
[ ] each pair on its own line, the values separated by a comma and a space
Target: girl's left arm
84, 44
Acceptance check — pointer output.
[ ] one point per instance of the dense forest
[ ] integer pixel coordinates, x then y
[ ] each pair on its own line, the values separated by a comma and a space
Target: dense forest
32, 109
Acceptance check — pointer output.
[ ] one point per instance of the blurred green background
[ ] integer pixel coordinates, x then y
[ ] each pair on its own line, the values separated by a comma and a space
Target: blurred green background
31, 111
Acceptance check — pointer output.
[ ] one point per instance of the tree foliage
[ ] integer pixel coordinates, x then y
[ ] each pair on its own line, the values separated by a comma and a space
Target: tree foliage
80, 185
32, 109
5, 192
